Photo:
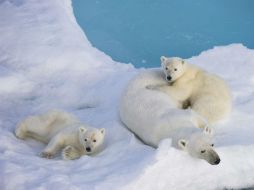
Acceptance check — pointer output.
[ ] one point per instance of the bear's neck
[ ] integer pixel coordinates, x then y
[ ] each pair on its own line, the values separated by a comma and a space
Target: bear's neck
183, 133
189, 74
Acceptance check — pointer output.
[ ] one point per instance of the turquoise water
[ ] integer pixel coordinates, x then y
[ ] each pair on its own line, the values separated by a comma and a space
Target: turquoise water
140, 31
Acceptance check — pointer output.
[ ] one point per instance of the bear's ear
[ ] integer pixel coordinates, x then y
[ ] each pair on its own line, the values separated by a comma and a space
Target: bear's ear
163, 59
208, 131
82, 129
182, 143
183, 62
102, 130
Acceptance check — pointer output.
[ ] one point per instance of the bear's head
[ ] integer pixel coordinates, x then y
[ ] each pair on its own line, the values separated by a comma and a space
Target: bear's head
173, 67
199, 145
91, 139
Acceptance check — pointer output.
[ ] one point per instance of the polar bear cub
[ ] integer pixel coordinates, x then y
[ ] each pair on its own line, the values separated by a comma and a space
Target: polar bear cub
190, 86
61, 131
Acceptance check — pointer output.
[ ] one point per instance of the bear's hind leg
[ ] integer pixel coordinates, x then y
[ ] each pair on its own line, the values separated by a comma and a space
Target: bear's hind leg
21, 131
32, 127
207, 107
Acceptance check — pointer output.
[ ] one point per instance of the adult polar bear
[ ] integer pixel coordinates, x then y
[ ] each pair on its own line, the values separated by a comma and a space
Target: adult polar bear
153, 116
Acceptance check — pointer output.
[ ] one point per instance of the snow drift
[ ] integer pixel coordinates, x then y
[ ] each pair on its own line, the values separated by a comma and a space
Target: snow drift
47, 62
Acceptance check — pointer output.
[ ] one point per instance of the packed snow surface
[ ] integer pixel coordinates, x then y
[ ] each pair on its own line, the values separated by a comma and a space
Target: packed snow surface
47, 62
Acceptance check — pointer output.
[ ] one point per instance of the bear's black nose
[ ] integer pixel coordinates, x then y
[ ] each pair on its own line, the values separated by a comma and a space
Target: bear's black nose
88, 149
169, 77
217, 161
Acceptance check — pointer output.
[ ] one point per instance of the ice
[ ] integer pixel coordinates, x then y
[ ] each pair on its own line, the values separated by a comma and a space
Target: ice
47, 62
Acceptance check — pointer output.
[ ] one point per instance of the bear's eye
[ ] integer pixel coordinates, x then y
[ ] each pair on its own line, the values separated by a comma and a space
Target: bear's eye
166, 68
212, 144
85, 139
94, 140
175, 69
202, 151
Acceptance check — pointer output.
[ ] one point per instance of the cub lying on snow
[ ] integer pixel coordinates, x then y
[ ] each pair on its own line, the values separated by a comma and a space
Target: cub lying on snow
61, 130
206, 94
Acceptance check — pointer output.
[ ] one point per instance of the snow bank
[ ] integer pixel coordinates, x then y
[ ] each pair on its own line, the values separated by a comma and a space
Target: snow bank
47, 62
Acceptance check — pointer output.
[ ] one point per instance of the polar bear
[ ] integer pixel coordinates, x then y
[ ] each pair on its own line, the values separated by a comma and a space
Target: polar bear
153, 116
207, 94
61, 130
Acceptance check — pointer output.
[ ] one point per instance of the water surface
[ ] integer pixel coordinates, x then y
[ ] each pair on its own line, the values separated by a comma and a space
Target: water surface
140, 31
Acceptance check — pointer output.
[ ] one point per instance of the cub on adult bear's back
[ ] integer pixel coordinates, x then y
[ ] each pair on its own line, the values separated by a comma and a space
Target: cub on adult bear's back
205, 93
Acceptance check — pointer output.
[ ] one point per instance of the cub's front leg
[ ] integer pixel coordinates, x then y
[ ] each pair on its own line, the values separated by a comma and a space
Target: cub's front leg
70, 153
156, 87
178, 94
54, 145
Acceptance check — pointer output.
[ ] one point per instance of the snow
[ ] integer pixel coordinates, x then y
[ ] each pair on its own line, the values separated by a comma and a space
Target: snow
47, 62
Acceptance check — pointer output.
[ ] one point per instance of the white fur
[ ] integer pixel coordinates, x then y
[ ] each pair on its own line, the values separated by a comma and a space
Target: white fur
61, 130
153, 116
206, 93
